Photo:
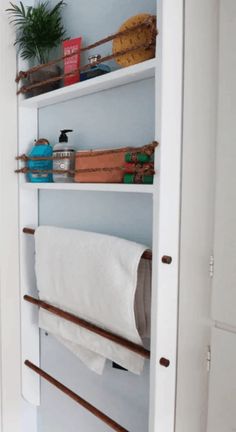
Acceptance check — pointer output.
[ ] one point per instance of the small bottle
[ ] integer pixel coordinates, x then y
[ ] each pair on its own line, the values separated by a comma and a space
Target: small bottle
137, 157
67, 162
95, 69
138, 179
41, 148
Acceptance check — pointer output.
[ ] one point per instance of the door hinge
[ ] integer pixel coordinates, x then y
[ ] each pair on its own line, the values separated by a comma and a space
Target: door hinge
209, 359
211, 266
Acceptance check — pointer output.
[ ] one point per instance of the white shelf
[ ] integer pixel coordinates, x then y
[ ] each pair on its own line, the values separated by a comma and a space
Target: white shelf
114, 79
99, 187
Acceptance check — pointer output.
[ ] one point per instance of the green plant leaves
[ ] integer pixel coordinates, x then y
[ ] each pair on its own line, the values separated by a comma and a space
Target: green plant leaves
39, 29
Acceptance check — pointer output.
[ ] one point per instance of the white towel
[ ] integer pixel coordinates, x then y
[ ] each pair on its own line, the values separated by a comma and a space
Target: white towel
93, 276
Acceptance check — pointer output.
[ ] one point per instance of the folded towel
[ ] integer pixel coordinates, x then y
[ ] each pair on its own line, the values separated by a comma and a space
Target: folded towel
142, 304
95, 277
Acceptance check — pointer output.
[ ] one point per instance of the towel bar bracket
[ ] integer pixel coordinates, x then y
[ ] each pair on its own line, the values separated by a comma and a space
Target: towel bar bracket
164, 362
166, 259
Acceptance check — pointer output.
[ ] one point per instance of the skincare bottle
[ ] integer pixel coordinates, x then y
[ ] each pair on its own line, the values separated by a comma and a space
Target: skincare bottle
41, 149
138, 179
95, 69
64, 159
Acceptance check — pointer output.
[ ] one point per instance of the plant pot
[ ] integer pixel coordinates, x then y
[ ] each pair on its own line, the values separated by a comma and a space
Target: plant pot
43, 75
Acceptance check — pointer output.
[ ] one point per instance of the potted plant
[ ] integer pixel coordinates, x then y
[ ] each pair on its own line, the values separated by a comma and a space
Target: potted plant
39, 30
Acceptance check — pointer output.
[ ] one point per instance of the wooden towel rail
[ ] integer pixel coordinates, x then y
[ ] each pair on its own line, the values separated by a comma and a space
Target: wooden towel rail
147, 254
97, 413
138, 349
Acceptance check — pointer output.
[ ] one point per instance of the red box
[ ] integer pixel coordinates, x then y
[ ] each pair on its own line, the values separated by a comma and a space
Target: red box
72, 64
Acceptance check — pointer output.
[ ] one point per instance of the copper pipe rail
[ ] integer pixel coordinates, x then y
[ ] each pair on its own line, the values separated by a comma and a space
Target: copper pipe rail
27, 88
97, 413
147, 148
146, 255
137, 349
149, 22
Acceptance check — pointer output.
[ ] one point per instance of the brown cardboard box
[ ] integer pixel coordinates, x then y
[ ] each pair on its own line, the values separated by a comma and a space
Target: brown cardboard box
107, 166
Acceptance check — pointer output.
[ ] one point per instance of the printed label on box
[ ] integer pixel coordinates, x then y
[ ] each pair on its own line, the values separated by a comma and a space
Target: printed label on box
72, 64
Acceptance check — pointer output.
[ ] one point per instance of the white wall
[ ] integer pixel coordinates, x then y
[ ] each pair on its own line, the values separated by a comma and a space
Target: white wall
224, 294
222, 397
15, 411
9, 280
199, 139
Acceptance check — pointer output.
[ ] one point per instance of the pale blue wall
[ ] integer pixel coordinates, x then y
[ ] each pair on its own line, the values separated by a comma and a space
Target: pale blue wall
118, 117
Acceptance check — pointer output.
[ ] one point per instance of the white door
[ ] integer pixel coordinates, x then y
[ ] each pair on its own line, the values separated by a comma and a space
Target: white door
222, 400
222, 393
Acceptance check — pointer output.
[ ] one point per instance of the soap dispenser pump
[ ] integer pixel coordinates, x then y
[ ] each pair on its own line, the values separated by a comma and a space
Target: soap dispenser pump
64, 161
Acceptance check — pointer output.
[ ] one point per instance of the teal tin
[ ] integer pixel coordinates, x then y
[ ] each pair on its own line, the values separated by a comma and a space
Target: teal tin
95, 69
41, 148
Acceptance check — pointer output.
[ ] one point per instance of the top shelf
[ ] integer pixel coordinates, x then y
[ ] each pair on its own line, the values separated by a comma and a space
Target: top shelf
114, 79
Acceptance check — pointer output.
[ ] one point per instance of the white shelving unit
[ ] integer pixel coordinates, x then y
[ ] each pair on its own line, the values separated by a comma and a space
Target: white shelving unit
167, 70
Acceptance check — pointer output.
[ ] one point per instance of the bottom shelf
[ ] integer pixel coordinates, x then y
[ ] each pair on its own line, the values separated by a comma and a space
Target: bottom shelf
99, 187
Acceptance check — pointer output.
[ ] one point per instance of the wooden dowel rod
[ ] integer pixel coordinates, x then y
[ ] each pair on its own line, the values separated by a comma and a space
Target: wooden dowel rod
146, 255
30, 231
97, 413
89, 326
